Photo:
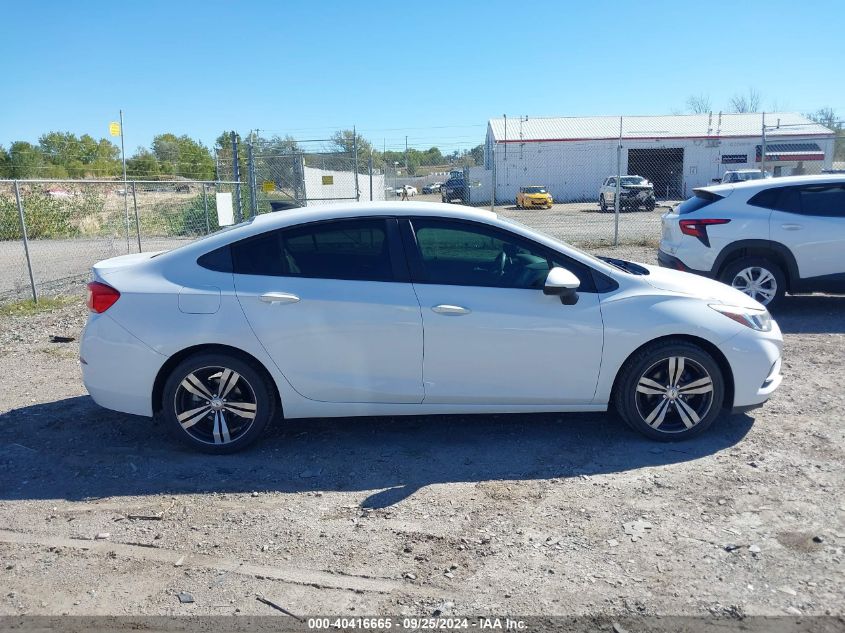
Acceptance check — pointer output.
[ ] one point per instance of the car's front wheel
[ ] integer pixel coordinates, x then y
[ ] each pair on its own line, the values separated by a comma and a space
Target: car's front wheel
671, 390
217, 402
602, 204
759, 278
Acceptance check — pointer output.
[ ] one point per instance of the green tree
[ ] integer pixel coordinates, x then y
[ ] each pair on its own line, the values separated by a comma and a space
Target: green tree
4, 163
183, 156
143, 165
25, 160
477, 154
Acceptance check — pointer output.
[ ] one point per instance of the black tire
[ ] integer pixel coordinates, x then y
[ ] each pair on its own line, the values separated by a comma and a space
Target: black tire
602, 204
650, 206
767, 279
672, 414
250, 393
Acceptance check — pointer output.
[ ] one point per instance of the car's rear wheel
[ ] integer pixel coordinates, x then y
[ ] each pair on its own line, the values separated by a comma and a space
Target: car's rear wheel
759, 278
217, 402
672, 390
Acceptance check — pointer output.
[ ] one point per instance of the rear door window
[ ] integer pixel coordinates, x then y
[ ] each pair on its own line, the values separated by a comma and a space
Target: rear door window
344, 249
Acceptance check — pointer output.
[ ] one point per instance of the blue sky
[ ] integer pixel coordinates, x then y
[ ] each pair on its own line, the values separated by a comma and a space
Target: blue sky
435, 71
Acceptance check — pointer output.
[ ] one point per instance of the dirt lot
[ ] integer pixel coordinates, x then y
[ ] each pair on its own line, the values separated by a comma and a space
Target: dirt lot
488, 514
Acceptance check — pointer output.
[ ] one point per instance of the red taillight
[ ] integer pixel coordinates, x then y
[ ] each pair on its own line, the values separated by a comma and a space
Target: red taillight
698, 228
101, 297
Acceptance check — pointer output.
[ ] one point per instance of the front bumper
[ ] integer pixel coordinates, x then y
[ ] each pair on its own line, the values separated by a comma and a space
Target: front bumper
755, 360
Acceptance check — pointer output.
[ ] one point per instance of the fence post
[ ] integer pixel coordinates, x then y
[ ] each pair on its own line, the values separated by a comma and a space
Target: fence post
205, 204
370, 169
253, 188
763, 147
618, 187
137, 221
236, 173
25, 242
355, 152
493, 177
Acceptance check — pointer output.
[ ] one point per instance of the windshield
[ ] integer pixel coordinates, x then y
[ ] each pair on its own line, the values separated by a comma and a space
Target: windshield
633, 180
750, 175
534, 190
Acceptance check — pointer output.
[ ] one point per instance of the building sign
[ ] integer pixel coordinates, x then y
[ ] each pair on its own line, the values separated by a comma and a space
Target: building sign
328, 180
734, 159
267, 186
114, 128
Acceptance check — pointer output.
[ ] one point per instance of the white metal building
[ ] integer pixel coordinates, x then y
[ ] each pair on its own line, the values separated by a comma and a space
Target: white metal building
573, 155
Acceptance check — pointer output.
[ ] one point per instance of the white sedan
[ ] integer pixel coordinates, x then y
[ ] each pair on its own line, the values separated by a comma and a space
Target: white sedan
408, 309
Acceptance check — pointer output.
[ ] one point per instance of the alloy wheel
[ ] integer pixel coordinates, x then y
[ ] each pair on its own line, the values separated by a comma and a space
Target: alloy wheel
215, 405
674, 394
757, 282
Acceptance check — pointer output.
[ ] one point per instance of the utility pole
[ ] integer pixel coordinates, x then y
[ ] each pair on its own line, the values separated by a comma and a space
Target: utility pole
406, 155
355, 167
236, 173
763, 147
125, 184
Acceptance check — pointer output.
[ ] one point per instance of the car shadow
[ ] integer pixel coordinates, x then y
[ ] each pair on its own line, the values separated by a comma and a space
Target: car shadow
811, 314
72, 449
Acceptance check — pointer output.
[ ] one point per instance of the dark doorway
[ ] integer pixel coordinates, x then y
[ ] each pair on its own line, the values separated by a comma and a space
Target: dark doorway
663, 167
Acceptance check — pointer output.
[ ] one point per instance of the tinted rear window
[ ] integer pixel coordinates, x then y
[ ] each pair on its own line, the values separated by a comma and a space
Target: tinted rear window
347, 249
700, 200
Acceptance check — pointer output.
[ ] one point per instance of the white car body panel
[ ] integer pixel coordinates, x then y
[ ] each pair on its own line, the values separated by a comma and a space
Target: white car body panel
539, 344
376, 348
342, 341
818, 242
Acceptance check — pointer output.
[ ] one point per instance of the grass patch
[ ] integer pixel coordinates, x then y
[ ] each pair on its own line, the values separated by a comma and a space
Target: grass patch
28, 307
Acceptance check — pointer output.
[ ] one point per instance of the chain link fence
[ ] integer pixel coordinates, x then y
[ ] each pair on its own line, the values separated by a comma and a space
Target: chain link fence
53, 231
600, 183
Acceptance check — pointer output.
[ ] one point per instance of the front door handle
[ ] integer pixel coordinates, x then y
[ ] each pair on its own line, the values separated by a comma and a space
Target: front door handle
791, 227
279, 297
450, 310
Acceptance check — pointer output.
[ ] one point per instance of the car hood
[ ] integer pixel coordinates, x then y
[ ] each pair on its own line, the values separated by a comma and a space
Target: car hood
697, 286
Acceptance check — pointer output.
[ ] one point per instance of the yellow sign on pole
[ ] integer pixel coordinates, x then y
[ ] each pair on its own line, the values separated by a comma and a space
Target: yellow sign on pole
328, 180
114, 128
267, 186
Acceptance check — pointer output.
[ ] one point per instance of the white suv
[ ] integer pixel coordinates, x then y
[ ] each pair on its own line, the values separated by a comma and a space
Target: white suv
764, 237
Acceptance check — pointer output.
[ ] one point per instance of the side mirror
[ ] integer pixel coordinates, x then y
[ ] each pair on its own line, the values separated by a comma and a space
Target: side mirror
562, 283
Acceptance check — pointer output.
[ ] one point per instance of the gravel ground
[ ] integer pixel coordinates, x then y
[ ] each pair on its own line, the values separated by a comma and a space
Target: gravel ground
536, 514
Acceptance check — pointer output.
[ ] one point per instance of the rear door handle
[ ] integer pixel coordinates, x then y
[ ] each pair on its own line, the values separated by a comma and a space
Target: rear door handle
792, 227
450, 310
279, 297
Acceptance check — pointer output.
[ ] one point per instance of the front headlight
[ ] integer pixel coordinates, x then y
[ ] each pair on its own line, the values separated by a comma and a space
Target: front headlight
759, 320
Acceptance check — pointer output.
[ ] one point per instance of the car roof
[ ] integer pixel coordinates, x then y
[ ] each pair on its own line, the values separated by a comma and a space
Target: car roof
781, 181
292, 217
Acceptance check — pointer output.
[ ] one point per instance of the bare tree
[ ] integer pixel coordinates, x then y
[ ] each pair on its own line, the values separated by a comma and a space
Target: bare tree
699, 104
749, 102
